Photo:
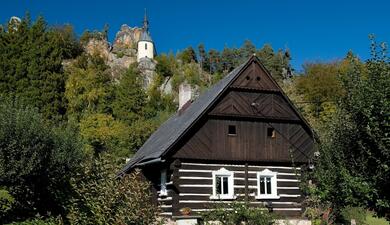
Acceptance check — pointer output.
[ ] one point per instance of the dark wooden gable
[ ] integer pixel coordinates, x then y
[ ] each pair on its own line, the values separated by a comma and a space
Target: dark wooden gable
254, 93
253, 102
255, 77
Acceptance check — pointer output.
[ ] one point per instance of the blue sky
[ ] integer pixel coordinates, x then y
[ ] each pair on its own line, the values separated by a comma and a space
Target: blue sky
313, 31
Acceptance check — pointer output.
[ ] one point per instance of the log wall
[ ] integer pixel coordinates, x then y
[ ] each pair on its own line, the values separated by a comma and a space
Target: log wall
191, 186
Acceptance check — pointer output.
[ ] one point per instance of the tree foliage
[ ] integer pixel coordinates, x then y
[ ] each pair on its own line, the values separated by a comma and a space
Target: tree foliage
36, 161
102, 198
129, 97
87, 86
355, 155
102, 133
31, 56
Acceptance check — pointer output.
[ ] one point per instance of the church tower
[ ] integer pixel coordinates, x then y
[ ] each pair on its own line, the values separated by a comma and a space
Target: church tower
145, 44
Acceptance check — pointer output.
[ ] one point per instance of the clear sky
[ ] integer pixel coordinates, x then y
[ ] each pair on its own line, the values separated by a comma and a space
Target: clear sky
312, 30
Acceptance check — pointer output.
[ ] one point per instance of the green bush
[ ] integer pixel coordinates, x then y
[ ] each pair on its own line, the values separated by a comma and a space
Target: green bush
102, 198
36, 162
357, 213
6, 201
40, 221
372, 219
235, 213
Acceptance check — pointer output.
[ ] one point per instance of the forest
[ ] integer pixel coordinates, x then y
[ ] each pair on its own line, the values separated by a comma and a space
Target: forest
67, 126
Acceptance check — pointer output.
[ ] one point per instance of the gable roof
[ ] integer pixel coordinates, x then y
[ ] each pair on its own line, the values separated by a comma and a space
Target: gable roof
161, 141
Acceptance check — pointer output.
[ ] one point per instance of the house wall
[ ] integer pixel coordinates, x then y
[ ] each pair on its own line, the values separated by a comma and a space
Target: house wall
191, 186
252, 103
251, 143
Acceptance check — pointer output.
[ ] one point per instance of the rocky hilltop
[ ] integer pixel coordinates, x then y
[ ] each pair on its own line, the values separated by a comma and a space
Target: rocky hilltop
122, 53
127, 38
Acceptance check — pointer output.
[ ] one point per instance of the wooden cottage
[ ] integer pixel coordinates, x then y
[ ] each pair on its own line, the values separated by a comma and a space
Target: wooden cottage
241, 140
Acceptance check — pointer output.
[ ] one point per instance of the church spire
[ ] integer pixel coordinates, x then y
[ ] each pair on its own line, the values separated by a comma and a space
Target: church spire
146, 22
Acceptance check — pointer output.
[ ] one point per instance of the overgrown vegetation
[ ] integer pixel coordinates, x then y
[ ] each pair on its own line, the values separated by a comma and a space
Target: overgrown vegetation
36, 163
353, 164
101, 198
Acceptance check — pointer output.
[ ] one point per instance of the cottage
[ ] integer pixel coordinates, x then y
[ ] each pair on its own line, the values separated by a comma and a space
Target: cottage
241, 140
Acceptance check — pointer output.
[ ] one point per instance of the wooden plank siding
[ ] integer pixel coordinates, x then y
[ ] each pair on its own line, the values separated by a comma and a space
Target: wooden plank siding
256, 105
251, 143
194, 185
255, 77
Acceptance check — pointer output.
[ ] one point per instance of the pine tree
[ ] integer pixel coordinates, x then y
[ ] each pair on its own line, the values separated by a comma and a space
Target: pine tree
88, 87
203, 57
129, 97
247, 50
31, 64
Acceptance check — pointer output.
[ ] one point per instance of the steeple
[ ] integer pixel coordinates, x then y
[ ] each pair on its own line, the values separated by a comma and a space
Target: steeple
145, 36
146, 23
145, 43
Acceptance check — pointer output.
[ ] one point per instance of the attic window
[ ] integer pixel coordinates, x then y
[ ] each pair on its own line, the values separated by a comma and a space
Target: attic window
232, 130
271, 132
258, 78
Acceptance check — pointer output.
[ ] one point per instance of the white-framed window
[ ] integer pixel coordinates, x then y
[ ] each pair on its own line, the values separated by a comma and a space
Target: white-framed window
223, 184
267, 185
163, 183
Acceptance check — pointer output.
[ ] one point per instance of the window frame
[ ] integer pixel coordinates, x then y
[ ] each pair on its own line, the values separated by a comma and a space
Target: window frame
274, 188
163, 183
235, 130
271, 132
223, 172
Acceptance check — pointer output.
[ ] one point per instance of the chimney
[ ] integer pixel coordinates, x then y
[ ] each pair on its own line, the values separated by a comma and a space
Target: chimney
185, 95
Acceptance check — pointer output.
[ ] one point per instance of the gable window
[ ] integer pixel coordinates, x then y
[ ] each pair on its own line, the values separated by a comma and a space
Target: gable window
223, 184
271, 132
163, 183
266, 185
232, 130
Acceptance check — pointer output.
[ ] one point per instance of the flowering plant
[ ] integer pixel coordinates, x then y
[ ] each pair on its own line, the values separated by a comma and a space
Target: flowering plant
238, 213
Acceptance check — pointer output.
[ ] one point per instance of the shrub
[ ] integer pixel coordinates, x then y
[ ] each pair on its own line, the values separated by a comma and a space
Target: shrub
357, 213
102, 198
236, 213
36, 162
40, 221
6, 201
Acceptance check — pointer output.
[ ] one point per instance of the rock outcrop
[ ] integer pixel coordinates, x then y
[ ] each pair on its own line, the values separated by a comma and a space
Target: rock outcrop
98, 47
122, 53
126, 38
147, 67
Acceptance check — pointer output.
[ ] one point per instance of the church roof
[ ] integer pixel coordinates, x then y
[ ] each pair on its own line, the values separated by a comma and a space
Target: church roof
145, 36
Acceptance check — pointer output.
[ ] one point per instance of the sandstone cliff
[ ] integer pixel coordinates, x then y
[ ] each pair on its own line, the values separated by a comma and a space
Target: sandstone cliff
122, 53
